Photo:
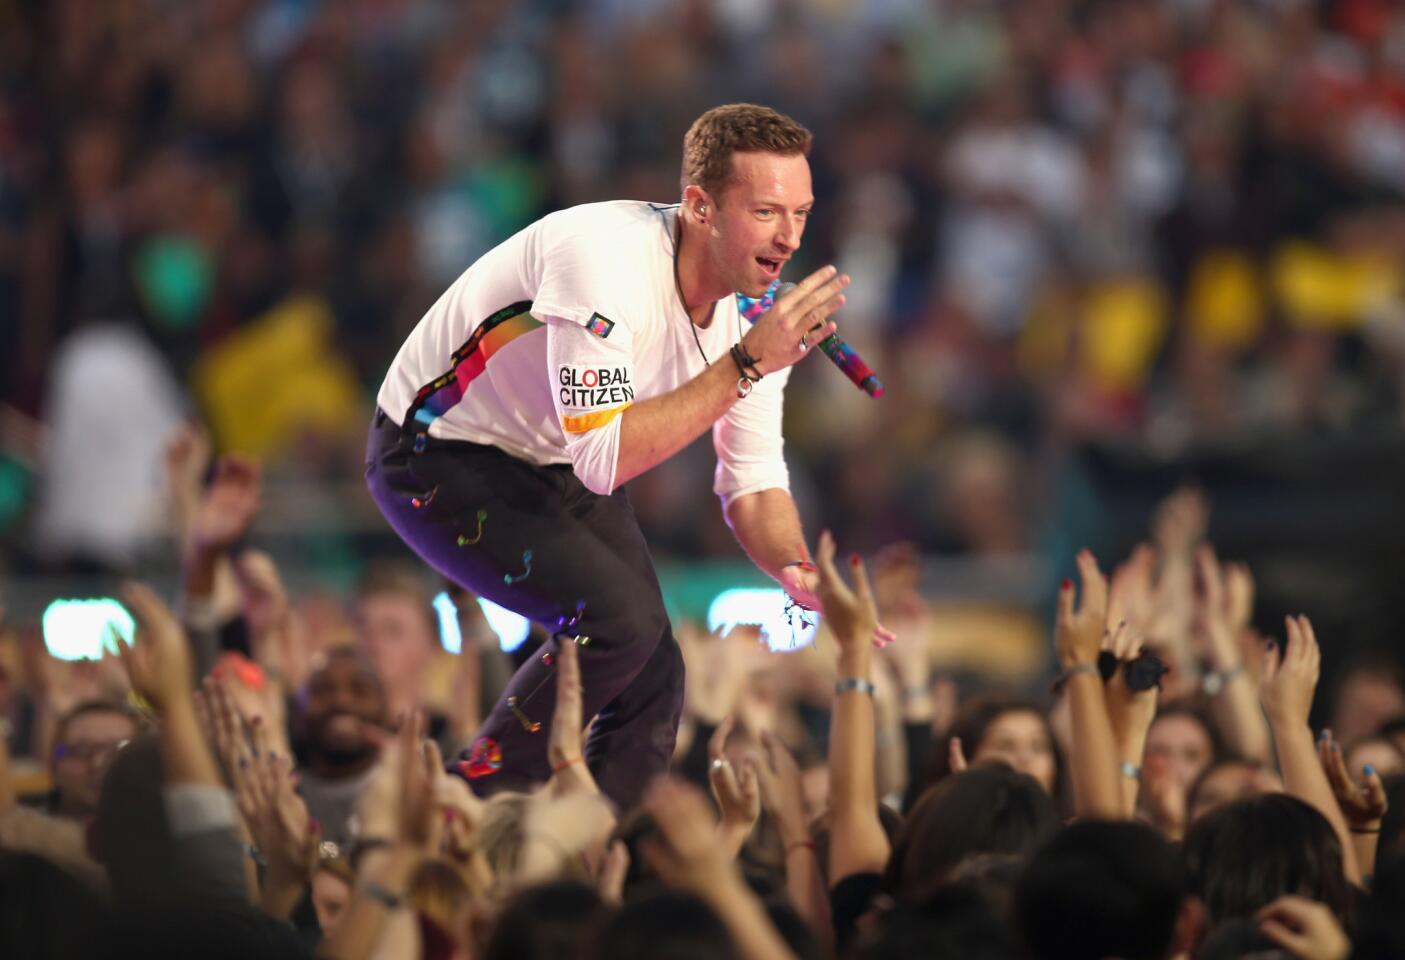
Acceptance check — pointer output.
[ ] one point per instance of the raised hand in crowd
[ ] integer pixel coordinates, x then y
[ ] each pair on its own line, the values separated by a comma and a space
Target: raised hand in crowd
465, 708
896, 589
737, 792
1308, 930
569, 771
223, 516
1363, 802
400, 811
719, 668
276, 635
1129, 711
187, 459
1226, 606
686, 856
1078, 639
783, 799
1178, 527
279, 825
229, 506
158, 661
202, 815
858, 843
1286, 690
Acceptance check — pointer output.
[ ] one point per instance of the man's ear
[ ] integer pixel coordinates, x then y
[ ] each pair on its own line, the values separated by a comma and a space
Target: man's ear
1190, 927
697, 205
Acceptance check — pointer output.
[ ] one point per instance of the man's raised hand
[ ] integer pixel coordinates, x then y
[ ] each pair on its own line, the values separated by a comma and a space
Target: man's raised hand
803, 313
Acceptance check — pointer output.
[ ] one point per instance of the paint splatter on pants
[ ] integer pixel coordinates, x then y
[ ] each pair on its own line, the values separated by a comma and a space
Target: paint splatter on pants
583, 548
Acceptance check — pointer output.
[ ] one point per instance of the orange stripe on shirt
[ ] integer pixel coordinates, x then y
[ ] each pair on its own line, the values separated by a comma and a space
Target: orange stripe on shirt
589, 421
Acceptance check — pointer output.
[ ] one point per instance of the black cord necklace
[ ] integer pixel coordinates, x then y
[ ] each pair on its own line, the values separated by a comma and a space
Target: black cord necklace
678, 286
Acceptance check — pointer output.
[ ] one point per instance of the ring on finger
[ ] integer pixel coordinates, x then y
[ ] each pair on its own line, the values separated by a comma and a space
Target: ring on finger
804, 341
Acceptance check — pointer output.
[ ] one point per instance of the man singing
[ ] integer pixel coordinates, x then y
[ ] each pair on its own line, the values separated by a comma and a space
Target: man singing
591, 346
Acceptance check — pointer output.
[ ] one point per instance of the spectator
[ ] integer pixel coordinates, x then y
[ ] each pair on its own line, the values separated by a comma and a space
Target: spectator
85, 741
342, 720
1107, 890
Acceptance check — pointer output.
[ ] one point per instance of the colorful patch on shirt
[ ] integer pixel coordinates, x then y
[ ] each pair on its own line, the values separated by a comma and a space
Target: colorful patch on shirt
442, 394
600, 325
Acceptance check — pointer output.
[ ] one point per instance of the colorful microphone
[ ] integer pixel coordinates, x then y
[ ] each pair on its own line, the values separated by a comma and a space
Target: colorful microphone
843, 355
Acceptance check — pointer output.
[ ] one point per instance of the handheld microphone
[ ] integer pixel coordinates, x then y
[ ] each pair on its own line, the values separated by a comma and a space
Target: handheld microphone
844, 356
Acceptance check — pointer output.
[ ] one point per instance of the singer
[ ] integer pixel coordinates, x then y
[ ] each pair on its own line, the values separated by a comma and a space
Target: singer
588, 348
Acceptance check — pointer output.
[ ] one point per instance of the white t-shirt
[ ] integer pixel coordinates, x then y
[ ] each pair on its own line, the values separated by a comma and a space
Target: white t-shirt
540, 345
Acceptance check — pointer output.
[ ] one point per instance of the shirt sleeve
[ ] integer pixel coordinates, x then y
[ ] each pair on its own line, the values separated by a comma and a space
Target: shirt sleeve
590, 356
750, 449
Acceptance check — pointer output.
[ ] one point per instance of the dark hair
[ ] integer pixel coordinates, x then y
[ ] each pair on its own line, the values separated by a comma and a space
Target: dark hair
736, 128
958, 922
47, 912
1390, 844
1380, 935
1238, 938
983, 810
544, 922
972, 721
664, 926
131, 836
802, 941
1245, 855
87, 707
1102, 889
635, 830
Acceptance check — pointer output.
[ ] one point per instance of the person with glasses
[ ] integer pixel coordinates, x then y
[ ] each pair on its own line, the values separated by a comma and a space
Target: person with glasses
85, 741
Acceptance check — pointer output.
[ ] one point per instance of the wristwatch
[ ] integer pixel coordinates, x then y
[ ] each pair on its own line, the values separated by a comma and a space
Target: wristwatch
1216, 680
856, 684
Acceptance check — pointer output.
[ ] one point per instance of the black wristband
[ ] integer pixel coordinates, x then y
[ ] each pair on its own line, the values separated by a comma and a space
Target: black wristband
744, 360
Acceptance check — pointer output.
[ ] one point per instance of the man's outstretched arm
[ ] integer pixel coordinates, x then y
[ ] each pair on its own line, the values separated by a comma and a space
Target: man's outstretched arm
767, 525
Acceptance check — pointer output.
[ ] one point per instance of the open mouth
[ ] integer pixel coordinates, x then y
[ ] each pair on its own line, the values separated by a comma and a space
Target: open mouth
770, 266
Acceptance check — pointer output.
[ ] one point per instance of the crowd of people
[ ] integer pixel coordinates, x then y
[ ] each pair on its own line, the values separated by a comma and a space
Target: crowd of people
255, 774
1160, 223
1155, 224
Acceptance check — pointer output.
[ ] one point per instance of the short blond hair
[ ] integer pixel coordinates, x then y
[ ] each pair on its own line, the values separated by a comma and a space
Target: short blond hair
736, 128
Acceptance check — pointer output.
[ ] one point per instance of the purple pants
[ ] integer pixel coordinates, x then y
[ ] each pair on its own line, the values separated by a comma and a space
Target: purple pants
587, 554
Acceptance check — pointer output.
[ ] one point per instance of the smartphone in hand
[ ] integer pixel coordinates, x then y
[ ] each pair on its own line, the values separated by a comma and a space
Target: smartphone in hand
81, 629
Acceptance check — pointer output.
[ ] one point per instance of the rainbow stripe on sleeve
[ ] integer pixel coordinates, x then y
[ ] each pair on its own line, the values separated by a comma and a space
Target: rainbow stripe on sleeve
446, 391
